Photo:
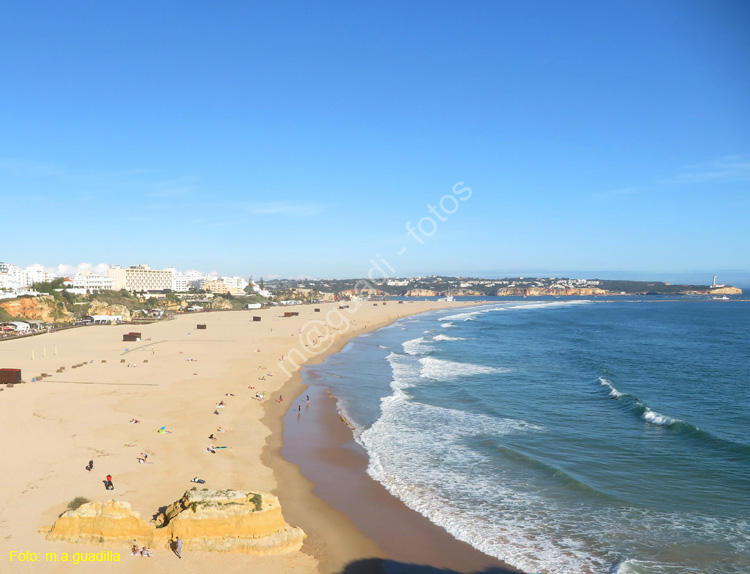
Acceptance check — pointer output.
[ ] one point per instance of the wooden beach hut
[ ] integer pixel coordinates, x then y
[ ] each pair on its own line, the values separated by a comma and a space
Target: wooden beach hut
10, 376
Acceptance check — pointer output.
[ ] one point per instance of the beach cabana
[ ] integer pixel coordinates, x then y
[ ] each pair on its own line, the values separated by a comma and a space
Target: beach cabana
10, 376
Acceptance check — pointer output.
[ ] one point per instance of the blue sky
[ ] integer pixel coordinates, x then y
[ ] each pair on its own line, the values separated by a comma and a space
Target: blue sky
288, 139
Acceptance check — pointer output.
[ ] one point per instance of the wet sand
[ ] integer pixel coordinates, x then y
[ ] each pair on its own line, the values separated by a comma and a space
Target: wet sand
318, 440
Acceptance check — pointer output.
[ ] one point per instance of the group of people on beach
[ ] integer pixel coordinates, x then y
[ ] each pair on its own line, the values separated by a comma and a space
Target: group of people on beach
145, 551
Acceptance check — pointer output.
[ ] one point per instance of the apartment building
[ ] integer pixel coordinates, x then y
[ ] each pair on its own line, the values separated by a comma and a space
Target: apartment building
140, 278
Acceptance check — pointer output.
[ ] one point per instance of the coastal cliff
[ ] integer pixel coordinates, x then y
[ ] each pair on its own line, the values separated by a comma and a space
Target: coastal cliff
213, 520
549, 292
98, 307
421, 293
724, 291
43, 308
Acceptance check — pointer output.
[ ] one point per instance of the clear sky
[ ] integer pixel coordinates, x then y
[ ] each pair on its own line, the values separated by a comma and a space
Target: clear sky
300, 138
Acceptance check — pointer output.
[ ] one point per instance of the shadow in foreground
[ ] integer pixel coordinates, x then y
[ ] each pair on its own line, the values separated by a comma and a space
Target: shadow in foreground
380, 566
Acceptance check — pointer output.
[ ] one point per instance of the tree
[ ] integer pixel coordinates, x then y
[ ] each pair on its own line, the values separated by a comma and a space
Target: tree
262, 284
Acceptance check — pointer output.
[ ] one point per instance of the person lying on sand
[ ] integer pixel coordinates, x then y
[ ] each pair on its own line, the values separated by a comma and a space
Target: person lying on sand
210, 448
211, 436
198, 480
221, 429
146, 552
134, 421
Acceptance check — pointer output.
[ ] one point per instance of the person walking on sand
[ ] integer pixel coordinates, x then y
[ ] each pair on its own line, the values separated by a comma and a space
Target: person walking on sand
178, 547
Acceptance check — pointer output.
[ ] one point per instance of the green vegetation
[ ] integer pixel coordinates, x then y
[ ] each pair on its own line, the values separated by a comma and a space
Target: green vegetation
5, 316
257, 500
49, 287
77, 502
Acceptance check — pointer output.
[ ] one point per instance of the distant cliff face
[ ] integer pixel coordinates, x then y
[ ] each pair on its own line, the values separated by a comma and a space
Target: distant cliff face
214, 520
421, 293
547, 292
726, 291
42, 308
101, 308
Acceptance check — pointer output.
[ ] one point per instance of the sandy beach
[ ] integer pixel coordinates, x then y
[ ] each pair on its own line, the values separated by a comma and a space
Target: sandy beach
174, 377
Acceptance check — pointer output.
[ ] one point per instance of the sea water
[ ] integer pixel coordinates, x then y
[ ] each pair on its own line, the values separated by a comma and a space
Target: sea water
565, 436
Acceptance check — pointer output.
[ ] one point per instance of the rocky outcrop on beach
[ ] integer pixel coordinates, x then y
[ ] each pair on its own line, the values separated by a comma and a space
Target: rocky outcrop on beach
213, 520
41, 308
98, 307
231, 521
549, 292
219, 303
102, 522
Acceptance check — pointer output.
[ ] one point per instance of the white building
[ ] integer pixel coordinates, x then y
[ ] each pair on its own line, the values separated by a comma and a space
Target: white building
91, 282
11, 277
196, 279
140, 278
236, 284
180, 282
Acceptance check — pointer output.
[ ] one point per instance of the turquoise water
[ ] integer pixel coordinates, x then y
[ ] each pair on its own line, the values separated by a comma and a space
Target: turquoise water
565, 436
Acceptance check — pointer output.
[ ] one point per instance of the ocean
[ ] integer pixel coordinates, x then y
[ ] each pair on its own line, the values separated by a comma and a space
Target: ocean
564, 436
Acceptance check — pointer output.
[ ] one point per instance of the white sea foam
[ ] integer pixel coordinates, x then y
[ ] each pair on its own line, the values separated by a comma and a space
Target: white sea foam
513, 306
613, 392
442, 370
405, 374
435, 460
416, 346
462, 316
448, 338
657, 418
447, 325
419, 453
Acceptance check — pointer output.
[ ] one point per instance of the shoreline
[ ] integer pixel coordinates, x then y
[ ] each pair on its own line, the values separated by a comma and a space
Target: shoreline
324, 466
82, 411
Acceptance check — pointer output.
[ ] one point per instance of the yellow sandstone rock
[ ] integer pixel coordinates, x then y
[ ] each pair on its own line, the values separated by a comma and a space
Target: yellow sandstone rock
214, 520
230, 521
100, 522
